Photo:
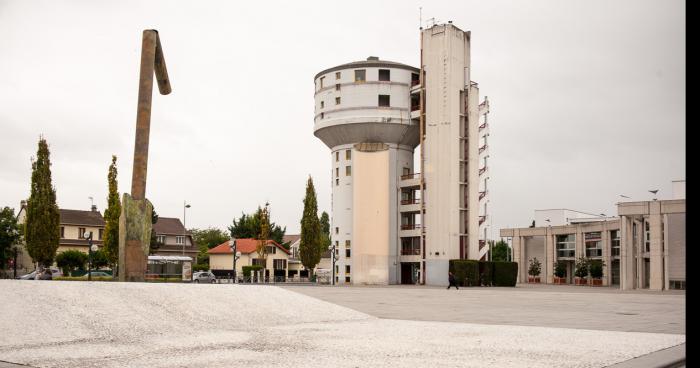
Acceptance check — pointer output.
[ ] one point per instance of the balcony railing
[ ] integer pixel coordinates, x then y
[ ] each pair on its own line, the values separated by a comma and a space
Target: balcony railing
410, 226
482, 126
483, 148
410, 176
482, 170
482, 219
415, 82
615, 251
482, 243
482, 195
415, 107
410, 201
410, 251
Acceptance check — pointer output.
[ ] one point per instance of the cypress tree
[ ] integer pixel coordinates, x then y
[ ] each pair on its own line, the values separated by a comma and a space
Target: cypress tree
112, 213
42, 229
309, 246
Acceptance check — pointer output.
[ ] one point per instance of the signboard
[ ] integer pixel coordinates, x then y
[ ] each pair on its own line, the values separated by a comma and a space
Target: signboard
186, 271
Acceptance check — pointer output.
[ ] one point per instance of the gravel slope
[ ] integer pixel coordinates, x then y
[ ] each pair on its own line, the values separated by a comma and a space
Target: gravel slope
81, 324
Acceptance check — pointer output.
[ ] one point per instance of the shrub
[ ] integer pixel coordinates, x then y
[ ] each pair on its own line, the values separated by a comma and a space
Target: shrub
486, 273
535, 267
69, 278
505, 273
595, 267
560, 269
200, 267
248, 269
581, 267
466, 271
70, 260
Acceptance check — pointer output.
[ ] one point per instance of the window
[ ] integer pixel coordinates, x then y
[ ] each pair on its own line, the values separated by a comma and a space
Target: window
179, 240
336, 229
336, 279
337, 75
321, 80
337, 171
347, 244
337, 100
360, 75
271, 250
410, 246
566, 246
348, 171
647, 239
81, 232
615, 242
279, 264
62, 232
384, 75
337, 156
321, 115
347, 278
100, 233
347, 268
594, 245
406, 171
337, 87
259, 262
348, 154
337, 269
160, 239
322, 104
347, 253
384, 101
337, 182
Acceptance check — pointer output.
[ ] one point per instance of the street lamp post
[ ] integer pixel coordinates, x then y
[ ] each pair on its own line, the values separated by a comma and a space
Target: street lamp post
235, 254
332, 249
184, 225
88, 236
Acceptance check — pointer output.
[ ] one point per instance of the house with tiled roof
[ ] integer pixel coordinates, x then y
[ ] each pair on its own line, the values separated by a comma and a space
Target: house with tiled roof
277, 263
175, 240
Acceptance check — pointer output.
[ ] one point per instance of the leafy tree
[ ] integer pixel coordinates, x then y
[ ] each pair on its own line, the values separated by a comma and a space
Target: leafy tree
309, 247
581, 267
560, 269
71, 260
206, 239
499, 251
100, 259
9, 234
595, 267
112, 213
155, 244
42, 229
264, 233
248, 226
535, 267
325, 232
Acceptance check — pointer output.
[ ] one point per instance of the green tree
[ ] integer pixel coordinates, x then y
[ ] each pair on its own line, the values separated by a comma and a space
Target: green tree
264, 234
112, 213
100, 259
309, 247
42, 229
206, 239
499, 251
155, 244
71, 260
248, 226
325, 232
9, 234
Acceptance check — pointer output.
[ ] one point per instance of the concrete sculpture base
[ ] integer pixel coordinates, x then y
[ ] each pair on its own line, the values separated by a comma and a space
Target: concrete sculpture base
134, 238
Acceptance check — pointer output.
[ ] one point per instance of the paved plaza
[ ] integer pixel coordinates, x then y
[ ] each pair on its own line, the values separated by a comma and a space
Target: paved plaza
104, 324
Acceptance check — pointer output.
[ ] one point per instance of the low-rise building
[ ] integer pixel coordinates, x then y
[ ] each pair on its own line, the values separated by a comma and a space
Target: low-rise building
276, 264
175, 240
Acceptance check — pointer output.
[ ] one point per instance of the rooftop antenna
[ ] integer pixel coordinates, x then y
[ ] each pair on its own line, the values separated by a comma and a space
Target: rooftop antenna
431, 22
654, 191
91, 202
420, 17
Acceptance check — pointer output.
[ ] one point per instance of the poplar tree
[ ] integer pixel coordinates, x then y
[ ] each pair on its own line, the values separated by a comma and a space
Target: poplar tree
112, 213
42, 230
264, 233
325, 232
309, 247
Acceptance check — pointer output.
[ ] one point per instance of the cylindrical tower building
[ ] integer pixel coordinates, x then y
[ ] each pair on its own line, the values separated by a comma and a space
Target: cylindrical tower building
364, 113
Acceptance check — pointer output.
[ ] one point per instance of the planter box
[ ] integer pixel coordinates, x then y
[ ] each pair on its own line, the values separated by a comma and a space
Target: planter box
596, 282
580, 281
559, 280
533, 279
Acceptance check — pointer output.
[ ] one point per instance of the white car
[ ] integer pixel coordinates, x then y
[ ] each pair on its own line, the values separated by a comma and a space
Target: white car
203, 277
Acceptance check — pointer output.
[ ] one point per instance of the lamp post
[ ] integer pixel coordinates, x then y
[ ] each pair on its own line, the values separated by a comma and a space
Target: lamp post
332, 249
91, 248
236, 255
184, 225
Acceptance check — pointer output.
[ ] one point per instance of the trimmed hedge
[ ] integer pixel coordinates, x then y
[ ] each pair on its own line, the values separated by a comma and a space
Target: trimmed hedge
466, 271
505, 273
248, 269
95, 278
476, 273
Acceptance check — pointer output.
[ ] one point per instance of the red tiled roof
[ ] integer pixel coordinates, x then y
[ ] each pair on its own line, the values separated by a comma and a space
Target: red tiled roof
244, 246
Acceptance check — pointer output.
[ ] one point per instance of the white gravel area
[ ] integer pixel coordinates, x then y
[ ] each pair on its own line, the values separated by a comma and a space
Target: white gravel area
101, 324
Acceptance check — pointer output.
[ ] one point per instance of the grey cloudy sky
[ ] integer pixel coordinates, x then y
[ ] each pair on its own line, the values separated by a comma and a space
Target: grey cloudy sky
587, 97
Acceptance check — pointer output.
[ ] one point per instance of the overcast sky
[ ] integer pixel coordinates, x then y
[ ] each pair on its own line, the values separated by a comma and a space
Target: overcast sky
587, 98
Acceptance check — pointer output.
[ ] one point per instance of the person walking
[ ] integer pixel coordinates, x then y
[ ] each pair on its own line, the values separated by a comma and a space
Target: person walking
453, 281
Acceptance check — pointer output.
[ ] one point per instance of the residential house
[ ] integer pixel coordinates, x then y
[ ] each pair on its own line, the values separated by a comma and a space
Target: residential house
170, 232
221, 258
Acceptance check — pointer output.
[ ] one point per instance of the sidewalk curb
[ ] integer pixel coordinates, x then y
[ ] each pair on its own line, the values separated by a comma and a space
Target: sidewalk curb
666, 358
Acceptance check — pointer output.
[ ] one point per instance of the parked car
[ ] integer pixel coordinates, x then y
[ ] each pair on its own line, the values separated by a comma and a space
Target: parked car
55, 272
204, 276
96, 274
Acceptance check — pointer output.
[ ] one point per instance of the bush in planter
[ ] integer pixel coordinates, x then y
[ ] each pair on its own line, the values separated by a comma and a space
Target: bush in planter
595, 268
535, 268
505, 273
560, 269
581, 268
466, 271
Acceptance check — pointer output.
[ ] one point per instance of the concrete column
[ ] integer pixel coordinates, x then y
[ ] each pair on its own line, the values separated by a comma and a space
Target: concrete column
626, 254
549, 256
518, 253
639, 254
656, 256
664, 246
607, 264
580, 248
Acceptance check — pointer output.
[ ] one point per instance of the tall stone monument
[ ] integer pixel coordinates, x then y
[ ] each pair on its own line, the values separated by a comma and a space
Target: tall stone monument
135, 219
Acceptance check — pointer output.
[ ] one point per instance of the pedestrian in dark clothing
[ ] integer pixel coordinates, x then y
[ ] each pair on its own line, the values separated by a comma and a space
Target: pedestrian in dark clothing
453, 281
